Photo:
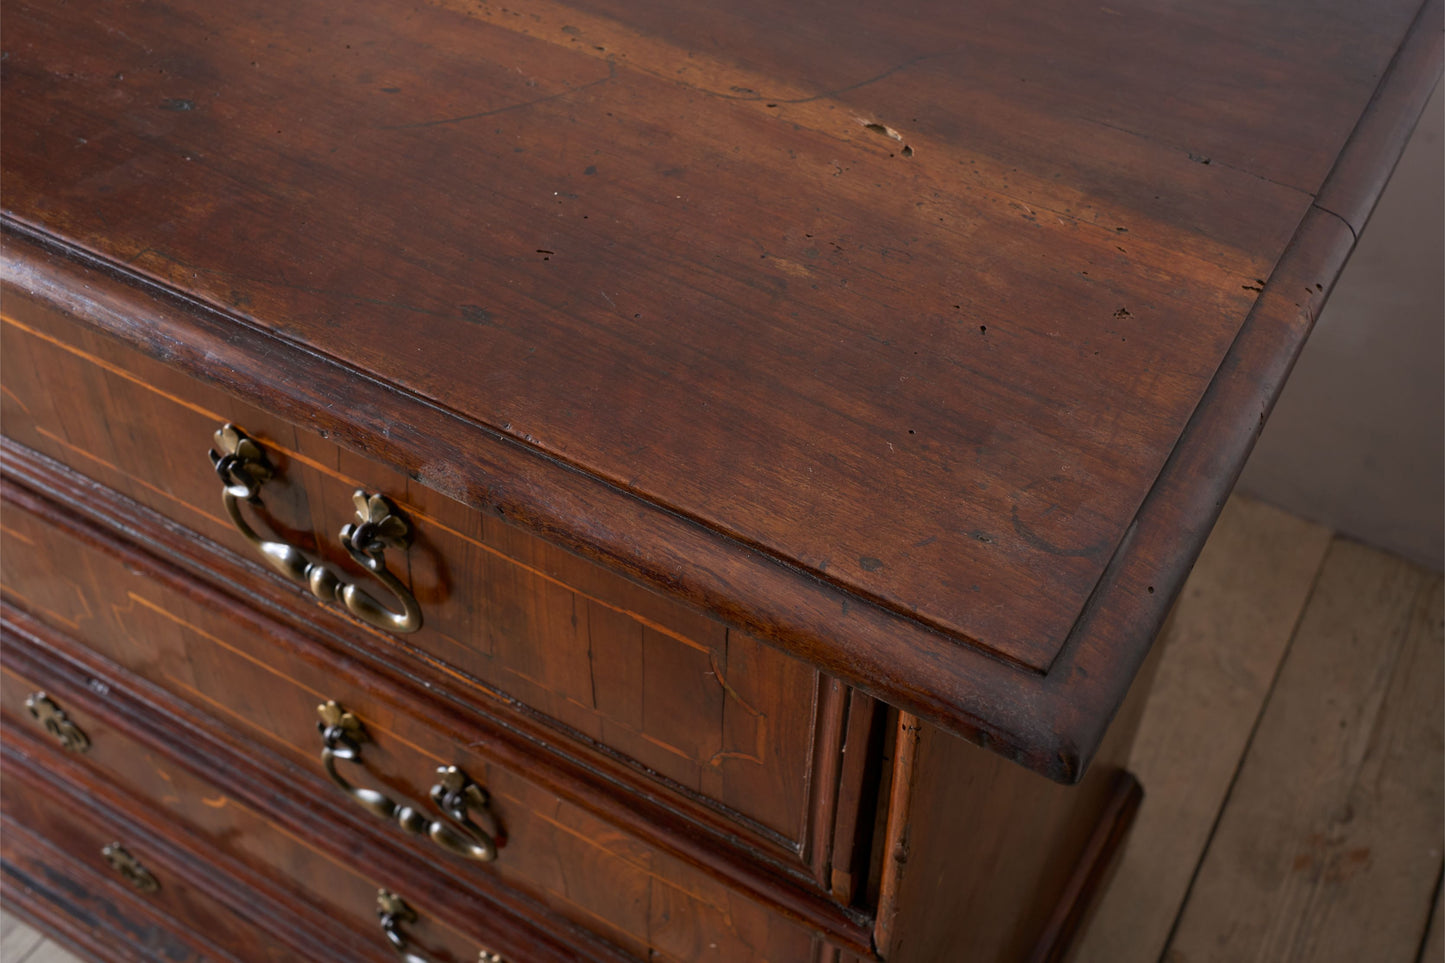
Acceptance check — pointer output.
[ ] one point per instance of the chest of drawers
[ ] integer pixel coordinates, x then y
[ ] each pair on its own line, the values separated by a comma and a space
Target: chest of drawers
629, 481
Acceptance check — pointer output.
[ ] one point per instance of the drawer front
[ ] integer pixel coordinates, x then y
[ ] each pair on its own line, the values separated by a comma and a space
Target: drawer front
264, 683
713, 713
84, 826
78, 864
71, 898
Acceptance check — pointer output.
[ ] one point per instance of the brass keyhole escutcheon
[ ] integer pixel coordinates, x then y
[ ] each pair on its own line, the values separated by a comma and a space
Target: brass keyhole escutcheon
53, 718
130, 868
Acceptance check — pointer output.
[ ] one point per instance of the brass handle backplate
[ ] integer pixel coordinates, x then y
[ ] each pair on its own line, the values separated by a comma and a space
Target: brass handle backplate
392, 911
455, 794
127, 866
243, 468
44, 710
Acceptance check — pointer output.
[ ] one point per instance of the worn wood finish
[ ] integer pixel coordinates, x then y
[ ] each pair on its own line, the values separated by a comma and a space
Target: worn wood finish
1330, 848
58, 835
856, 812
1096, 865
230, 898
264, 681
86, 911
591, 780
166, 796
400, 759
1037, 290
273, 822
757, 374
713, 711
553, 321
169, 627
1357, 179
1231, 627
893, 851
986, 861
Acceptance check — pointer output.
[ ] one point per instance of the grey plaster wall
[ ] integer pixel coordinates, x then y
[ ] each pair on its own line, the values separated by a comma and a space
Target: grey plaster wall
1357, 440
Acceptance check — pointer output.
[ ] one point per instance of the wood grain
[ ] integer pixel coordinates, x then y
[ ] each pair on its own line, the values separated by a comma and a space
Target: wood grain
1092, 872
1331, 846
308, 845
513, 613
1049, 300
172, 557
577, 307
985, 861
84, 910
51, 953
203, 819
1355, 184
190, 908
732, 357
1231, 627
266, 694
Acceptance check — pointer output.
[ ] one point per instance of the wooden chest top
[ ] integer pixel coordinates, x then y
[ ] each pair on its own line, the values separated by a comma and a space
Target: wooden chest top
923, 340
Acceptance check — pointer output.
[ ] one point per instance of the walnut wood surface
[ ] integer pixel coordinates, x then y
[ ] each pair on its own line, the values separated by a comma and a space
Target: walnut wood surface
1096, 865
985, 861
95, 916
316, 864
269, 820
947, 412
711, 710
262, 680
53, 835
588, 869
265, 679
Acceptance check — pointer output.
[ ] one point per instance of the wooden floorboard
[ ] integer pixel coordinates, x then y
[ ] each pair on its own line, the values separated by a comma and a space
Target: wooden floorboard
19, 943
1329, 845
1229, 632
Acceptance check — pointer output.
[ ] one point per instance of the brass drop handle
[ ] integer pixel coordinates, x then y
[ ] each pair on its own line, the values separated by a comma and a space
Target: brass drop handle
243, 468
454, 794
392, 911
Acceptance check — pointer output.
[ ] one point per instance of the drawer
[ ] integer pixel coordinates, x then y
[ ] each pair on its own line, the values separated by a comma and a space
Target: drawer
81, 813
263, 683
712, 714
325, 857
73, 860
96, 914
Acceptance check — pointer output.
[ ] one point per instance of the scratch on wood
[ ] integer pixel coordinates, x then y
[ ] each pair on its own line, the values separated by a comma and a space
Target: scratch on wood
611, 73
